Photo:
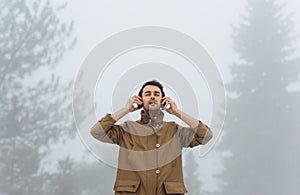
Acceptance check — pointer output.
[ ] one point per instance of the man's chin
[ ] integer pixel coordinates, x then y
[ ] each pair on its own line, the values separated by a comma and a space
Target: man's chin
154, 107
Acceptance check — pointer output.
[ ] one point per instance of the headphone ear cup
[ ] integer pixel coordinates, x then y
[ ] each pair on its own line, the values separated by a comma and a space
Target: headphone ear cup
140, 106
162, 106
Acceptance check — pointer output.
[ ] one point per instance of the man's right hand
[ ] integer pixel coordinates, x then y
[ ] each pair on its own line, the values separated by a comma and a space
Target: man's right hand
128, 107
134, 99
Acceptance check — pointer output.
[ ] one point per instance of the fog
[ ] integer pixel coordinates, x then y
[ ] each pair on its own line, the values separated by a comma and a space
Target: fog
253, 44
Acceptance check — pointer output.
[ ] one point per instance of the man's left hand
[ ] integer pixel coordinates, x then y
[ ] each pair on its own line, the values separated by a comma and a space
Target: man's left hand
173, 108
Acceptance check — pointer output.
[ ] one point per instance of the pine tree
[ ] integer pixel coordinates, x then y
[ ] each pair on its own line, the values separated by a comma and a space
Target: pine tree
32, 115
262, 122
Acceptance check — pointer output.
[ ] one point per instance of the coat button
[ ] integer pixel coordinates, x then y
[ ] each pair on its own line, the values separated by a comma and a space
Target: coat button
157, 171
157, 145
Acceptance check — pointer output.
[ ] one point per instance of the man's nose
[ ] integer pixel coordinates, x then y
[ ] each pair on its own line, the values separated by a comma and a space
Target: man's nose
152, 96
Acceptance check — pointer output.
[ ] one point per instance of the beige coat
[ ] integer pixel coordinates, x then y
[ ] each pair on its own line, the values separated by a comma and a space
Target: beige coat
150, 153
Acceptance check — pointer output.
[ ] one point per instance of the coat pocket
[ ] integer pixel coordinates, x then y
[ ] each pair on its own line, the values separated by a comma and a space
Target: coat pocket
174, 187
126, 185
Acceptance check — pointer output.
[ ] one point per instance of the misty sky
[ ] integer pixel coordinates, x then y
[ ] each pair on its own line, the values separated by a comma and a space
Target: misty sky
207, 21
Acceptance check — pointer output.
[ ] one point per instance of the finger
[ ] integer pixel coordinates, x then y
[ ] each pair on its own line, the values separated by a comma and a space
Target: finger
165, 100
134, 98
138, 101
138, 97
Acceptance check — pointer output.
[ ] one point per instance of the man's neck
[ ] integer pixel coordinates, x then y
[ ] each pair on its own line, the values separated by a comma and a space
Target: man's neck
153, 113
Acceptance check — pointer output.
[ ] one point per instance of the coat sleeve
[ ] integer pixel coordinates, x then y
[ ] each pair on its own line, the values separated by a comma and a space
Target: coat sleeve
191, 137
105, 130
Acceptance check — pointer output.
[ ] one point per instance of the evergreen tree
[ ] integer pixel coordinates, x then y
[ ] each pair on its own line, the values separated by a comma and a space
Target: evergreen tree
32, 116
262, 122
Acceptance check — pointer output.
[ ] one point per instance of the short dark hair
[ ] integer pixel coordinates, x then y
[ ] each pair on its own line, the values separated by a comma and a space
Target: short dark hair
155, 83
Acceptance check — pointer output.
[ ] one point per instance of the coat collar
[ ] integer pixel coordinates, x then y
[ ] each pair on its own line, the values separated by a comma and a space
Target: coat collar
153, 118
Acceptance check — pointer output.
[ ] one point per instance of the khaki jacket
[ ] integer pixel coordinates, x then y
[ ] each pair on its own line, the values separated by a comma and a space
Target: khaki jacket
150, 160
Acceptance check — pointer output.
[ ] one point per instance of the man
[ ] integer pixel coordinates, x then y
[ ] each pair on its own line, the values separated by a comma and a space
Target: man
150, 160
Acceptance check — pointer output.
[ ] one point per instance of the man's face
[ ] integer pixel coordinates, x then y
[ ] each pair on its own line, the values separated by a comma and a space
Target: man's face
152, 97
